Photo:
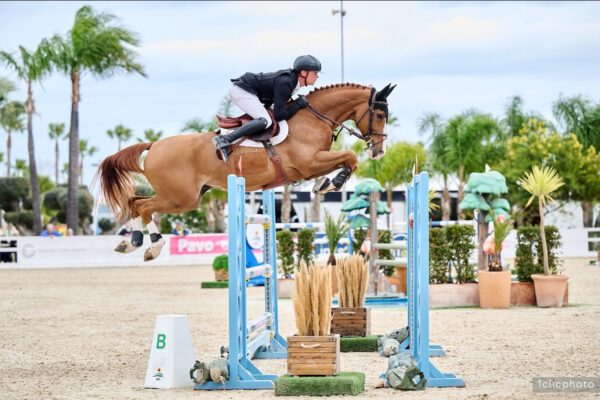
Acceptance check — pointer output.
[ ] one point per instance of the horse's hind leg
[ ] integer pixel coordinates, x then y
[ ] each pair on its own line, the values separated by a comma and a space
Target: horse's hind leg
137, 237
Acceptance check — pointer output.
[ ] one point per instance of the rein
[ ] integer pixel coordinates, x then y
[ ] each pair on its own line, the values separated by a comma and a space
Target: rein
367, 138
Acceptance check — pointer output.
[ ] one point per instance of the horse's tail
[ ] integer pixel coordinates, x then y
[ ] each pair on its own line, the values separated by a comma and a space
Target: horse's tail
117, 183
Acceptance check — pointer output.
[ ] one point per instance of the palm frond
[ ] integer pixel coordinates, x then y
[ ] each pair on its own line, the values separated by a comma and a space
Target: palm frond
541, 182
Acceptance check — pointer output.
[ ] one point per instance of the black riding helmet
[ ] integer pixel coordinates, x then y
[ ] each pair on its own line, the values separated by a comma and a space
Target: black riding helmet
307, 63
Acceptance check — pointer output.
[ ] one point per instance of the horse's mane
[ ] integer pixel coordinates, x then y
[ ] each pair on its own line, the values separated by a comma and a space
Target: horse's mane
336, 86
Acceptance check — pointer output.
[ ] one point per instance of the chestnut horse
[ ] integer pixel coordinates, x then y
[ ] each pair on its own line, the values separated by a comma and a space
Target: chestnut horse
182, 168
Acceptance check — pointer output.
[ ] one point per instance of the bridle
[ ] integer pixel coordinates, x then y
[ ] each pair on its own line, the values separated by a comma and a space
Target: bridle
367, 137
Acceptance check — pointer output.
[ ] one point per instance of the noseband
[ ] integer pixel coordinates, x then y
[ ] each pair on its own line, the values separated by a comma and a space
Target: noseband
368, 137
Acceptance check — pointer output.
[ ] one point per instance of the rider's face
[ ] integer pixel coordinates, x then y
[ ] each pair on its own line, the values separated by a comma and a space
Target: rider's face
310, 77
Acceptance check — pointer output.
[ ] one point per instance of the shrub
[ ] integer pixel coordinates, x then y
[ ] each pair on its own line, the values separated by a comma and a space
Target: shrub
106, 224
23, 218
460, 245
438, 256
306, 239
359, 236
221, 262
385, 236
529, 251
285, 252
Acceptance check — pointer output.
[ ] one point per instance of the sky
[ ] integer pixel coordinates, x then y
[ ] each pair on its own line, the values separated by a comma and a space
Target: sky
444, 57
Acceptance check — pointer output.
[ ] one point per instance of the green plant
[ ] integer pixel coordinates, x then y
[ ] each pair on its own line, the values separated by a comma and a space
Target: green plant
306, 239
460, 245
385, 236
285, 252
529, 257
501, 231
334, 230
221, 262
106, 224
359, 237
438, 256
540, 182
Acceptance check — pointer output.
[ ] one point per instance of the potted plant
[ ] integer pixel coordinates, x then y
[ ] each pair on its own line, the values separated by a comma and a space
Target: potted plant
221, 267
285, 254
494, 284
351, 318
313, 351
540, 183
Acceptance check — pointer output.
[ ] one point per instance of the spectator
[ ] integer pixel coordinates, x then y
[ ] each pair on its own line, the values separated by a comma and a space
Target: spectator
69, 232
50, 231
126, 229
179, 230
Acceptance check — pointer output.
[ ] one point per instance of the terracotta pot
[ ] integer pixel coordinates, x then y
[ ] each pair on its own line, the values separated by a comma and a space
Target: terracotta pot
549, 290
522, 294
401, 274
285, 287
494, 289
453, 295
395, 281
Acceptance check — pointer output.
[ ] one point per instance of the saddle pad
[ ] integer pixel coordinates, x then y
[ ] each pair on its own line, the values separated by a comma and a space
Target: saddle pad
283, 132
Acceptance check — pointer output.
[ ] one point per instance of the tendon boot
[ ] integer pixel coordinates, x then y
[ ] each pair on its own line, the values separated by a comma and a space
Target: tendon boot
253, 127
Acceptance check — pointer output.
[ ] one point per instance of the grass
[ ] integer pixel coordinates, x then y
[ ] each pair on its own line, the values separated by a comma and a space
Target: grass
215, 285
345, 383
355, 344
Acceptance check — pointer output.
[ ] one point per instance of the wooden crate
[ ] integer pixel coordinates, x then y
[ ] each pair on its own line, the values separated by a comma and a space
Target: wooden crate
351, 321
313, 355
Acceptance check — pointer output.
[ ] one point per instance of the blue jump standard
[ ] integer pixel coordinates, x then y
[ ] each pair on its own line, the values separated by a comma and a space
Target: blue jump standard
266, 342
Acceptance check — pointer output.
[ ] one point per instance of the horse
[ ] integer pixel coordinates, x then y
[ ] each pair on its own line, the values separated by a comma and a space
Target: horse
182, 168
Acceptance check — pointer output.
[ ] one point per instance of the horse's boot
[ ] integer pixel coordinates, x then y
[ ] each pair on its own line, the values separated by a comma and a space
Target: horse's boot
253, 127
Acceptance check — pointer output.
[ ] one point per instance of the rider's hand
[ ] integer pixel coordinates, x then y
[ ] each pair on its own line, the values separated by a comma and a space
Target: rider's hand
302, 102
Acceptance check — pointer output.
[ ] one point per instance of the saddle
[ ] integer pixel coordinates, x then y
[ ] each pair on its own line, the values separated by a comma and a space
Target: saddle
263, 137
235, 122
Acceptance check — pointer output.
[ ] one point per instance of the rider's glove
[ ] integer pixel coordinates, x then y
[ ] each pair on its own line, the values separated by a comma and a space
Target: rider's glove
302, 102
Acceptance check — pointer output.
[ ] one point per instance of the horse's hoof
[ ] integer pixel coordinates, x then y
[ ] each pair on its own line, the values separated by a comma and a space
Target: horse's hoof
154, 250
125, 247
148, 254
321, 184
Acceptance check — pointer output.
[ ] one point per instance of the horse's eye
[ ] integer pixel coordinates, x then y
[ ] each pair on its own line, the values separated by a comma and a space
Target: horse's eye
380, 116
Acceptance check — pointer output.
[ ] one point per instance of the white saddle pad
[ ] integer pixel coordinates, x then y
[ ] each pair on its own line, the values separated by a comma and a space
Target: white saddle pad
283, 132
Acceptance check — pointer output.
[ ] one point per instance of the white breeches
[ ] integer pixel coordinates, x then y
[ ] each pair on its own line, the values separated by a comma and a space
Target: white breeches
249, 103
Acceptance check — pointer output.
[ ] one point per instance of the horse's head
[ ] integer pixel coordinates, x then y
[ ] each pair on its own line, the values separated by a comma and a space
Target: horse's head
371, 120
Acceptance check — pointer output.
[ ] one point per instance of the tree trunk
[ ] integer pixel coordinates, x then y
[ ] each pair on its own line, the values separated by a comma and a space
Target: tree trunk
72, 200
286, 204
461, 190
316, 207
56, 162
543, 234
483, 234
588, 214
221, 225
8, 146
81, 171
33, 177
446, 203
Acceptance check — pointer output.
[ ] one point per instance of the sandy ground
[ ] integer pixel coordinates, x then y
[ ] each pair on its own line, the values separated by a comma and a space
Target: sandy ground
86, 334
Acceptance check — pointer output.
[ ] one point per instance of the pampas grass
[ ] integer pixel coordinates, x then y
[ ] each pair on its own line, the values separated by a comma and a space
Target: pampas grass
353, 278
312, 300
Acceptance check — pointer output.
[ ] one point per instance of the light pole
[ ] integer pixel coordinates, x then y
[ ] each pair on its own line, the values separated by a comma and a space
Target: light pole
342, 13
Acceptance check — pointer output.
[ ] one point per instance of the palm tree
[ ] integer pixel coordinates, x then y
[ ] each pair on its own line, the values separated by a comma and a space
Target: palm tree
438, 150
31, 67
581, 117
121, 133
150, 136
541, 182
11, 120
95, 44
55, 131
84, 151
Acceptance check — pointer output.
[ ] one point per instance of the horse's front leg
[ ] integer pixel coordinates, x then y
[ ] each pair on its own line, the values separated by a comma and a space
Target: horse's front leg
137, 238
328, 161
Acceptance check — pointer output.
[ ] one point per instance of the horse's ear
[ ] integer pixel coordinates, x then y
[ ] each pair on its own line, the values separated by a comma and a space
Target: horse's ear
383, 93
391, 89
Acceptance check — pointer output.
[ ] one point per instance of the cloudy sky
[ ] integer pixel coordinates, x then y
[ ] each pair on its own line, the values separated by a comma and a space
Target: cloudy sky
444, 56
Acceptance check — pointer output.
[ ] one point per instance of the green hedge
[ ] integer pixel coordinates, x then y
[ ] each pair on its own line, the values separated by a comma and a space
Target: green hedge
285, 252
451, 246
306, 239
529, 256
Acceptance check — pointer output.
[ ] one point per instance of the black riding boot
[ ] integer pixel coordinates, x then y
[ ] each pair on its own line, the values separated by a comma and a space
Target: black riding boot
221, 142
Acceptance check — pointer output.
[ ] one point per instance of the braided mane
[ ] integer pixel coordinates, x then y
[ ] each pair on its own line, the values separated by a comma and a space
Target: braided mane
338, 85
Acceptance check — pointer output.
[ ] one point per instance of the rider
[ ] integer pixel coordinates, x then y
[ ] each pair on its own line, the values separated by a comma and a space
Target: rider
254, 92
